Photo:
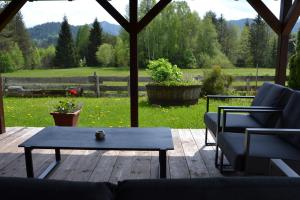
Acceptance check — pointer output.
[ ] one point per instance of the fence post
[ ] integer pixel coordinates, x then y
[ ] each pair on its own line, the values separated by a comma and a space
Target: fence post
3, 84
128, 85
248, 84
97, 85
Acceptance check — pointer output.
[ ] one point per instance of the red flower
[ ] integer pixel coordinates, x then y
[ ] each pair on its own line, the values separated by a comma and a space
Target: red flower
73, 92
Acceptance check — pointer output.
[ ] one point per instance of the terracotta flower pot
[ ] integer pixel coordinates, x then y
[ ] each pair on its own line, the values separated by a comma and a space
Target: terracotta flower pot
65, 119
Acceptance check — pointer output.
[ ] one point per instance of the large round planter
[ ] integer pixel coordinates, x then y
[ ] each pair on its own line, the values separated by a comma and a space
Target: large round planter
65, 119
173, 95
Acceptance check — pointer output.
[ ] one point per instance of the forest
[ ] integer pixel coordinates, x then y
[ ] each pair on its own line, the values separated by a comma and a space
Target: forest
178, 34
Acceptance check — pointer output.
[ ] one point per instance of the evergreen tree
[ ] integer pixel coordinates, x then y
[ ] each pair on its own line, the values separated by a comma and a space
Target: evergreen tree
23, 40
259, 42
82, 40
294, 64
66, 54
244, 50
95, 40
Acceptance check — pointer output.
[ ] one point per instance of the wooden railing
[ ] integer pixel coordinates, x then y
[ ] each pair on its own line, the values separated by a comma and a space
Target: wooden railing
99, 85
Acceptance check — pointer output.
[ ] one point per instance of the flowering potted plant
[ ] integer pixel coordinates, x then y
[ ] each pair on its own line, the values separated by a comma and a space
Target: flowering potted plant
66, 113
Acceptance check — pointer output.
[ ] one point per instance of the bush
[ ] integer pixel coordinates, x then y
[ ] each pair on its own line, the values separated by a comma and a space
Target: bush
6, 63
216, 82
294, 78
105, 54
162, 70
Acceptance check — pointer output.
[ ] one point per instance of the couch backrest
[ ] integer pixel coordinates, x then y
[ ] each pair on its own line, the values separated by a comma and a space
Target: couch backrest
274, 95
291, 119
251, 188
36, 189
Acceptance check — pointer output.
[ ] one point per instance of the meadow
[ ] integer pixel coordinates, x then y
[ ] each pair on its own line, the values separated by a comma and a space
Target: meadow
112, 112
113, 71
109, 112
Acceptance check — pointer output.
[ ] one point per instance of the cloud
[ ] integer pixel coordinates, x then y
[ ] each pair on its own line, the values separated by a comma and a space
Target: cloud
84, 11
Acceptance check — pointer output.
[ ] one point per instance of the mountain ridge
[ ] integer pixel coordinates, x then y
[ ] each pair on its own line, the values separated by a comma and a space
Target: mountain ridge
47, 33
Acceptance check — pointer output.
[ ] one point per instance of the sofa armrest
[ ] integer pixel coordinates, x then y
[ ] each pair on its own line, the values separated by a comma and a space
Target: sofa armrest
244, 108
208, 97
280, 168
245, 111
265, 131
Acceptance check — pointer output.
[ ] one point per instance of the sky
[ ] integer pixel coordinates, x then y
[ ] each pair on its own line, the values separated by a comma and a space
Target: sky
85, 11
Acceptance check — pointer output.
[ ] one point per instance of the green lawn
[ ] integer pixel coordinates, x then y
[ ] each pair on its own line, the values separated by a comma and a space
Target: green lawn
108, 112
88, 71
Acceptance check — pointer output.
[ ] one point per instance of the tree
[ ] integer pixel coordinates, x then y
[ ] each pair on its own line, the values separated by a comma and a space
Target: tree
259, 42
66, 54
82, 40
245, 58
294, 65
121, 53
95, 40
105, 54
23, 40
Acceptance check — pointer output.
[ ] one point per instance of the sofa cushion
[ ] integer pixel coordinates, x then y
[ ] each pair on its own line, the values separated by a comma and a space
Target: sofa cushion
239, 188
272, 95
291, 119
261, 93
35, 189
261, 146
234, 122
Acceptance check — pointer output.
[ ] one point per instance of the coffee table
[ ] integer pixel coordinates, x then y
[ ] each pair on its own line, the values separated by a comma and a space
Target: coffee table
133, 139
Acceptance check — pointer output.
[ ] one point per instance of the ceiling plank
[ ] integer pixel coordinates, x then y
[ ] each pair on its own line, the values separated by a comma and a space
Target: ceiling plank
10, 11
266, 14
115, 14
291, 18
152, 14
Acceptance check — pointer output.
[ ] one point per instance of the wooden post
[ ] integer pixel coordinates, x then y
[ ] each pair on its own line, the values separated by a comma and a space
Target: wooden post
97, 84
5, 16
248, 83
133, 27
133, 16
128, 85
283, 42
2, 120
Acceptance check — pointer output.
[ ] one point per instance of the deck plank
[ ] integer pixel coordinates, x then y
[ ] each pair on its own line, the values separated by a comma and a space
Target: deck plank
189, 159
206, 152
104, 167
178, 167
195, 162
122, 168
141, 165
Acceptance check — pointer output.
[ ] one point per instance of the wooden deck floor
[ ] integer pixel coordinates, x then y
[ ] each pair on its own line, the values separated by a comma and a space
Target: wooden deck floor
190, 159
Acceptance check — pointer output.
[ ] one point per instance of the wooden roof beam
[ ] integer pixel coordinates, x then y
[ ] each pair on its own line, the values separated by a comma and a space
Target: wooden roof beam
152, 14
10, 11
291, 18
115, 14
266, 14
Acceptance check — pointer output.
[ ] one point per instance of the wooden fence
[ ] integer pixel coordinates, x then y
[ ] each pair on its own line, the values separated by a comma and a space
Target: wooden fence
99, 85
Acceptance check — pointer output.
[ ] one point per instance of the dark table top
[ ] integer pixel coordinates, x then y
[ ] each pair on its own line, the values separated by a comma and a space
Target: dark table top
115, 139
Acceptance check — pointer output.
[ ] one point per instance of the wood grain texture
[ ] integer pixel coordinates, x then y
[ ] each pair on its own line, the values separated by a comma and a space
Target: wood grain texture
189, 159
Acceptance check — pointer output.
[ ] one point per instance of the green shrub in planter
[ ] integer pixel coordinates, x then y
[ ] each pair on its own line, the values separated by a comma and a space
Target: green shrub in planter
216, 82
162, 70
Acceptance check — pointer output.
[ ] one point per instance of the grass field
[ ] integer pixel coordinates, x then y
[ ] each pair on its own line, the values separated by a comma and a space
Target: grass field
111, 112
108, 112
88, 71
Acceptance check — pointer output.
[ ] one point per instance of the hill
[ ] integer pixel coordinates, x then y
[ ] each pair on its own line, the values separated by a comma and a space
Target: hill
241, 22
47, 33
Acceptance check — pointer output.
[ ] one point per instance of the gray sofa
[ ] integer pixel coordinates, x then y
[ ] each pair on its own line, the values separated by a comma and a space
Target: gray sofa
269, 96
275, 188
250, 151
